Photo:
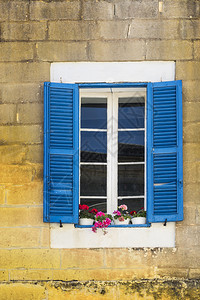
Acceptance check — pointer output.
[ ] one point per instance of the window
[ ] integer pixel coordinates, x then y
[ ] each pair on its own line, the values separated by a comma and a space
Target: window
163, 144
112, 157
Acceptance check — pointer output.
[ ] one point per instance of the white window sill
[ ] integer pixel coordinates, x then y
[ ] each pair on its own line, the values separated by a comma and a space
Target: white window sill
70, 236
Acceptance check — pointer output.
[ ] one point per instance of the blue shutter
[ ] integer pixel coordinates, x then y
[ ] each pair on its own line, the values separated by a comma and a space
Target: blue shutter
164, 152
61, 152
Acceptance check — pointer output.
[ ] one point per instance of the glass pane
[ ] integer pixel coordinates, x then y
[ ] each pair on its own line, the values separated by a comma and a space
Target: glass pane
132, 204
131, 112
99, 204
130, 146
93, 146
94, 113
93, 180
130, 180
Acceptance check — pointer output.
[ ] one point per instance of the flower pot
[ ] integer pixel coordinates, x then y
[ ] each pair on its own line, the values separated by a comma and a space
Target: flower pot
138, 220
125, 222
85, 221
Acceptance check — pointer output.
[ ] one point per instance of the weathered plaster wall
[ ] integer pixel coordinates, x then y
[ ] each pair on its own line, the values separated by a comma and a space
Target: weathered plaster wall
34, 34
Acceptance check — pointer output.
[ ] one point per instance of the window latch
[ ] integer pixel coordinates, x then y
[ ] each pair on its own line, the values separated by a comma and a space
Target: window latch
165, 223
61, 225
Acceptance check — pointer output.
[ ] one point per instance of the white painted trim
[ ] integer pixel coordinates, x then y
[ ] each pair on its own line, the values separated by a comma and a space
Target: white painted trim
155, 236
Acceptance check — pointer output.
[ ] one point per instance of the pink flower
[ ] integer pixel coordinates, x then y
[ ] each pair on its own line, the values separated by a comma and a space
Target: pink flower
99, 214
123, 207
121, 219
117, 212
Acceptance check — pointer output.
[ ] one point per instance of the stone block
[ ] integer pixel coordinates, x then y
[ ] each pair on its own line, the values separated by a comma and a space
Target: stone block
190, 172
3, 275
30, 113
25, 72
23, 92
34, 153
30, 259
20, 174
136, 9
117, 50
82, 258
31, 275
171, 273
191, 91
97, 10
24, 31
15, 51
73, 30
58, 10
154, 29
45, 237
62, 51
191, 152
194, 273
103, 274
12, 154
197, 50
20, 134
19, 237
13, 10
190, 29
2, 194
25, 194
21, 216
169, 50
191, 133
110, 30
187, 236
7, 113
191, 112
126, 258
188, 70
191, 193
180, 9
20, 291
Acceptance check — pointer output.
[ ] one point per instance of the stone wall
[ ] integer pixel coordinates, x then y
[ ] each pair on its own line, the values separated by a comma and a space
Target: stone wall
34, 34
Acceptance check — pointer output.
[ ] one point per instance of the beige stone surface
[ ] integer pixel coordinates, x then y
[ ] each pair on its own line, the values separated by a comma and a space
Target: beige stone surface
24, 31
25, 194
7, 113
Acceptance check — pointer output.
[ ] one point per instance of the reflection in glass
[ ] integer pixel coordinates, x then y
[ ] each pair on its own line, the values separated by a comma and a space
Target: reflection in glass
99, 204
132, 204
130, 180
131, 112
94, 113
130, 146
93, 146
93, 180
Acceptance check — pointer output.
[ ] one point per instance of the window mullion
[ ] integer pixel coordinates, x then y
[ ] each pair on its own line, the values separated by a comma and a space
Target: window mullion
109, 152
115, 152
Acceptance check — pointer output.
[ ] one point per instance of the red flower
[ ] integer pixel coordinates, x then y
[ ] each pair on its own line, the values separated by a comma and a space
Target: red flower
84, 207
133, 212
94, 211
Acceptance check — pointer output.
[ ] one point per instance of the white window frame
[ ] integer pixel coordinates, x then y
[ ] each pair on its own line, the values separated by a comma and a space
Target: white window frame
112, 95
87, 72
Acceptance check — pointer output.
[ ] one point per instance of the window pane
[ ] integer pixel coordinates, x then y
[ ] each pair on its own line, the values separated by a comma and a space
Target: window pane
93, 180
94, 113
132, 204
130, 180
99, 204
93, 146
130, 146
131, 112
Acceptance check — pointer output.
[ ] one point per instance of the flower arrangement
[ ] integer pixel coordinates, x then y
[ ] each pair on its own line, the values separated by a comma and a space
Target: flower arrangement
122, 213
140, 213
102, 221
85, 213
